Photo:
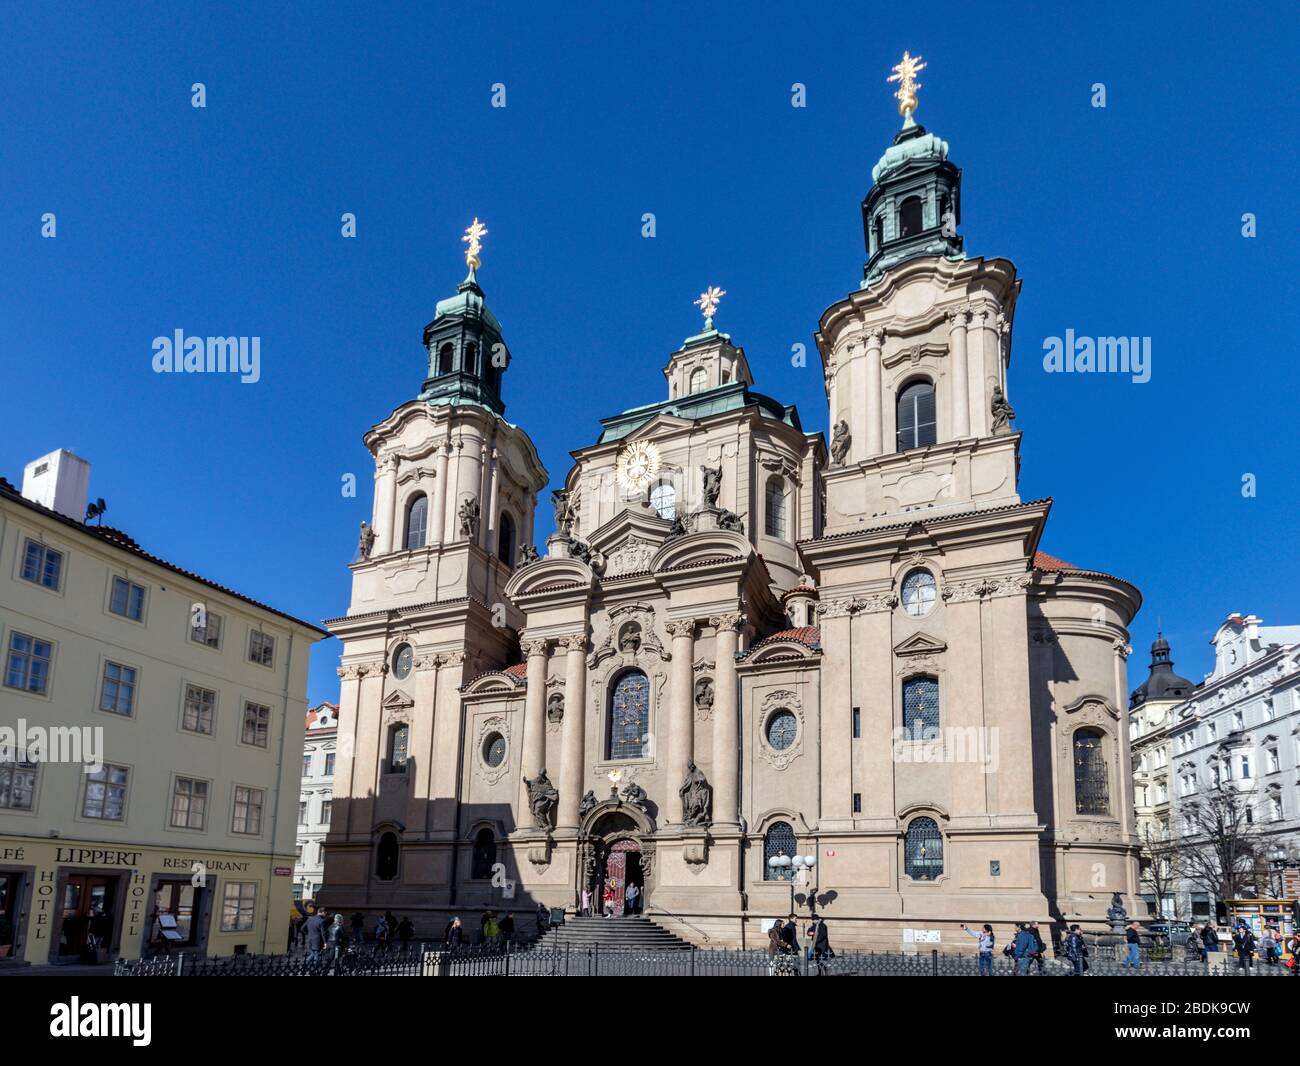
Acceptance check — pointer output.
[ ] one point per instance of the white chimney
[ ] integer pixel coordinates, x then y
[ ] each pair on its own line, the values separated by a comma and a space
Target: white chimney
59, 481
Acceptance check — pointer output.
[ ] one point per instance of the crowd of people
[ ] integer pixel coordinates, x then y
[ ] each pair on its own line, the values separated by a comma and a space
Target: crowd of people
1028, 952
783, 944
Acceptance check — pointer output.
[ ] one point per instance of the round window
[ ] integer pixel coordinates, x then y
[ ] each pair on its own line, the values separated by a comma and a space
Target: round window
781, 729
919, 593
494, 750
403, 658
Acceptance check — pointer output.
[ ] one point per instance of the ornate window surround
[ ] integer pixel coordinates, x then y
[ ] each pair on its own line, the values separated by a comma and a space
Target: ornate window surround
602, 681
488, 724
774, 700
940, 817
1090, 711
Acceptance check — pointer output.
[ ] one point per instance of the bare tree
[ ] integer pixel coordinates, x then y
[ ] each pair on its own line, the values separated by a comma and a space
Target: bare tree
1221, 849
1159, 867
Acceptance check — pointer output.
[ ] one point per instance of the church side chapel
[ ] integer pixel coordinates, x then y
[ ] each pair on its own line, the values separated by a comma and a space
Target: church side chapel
741, 648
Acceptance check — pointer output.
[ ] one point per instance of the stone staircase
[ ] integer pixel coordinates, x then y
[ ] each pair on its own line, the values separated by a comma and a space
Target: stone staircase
635, 933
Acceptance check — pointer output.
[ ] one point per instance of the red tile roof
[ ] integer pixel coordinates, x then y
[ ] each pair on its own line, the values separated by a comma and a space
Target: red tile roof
808, 636
518, 670
1043, 561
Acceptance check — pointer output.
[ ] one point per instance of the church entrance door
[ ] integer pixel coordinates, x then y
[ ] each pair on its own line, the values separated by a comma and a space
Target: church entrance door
622, 868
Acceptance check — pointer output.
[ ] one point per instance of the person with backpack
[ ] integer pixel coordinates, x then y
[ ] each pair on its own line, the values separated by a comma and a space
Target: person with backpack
1076, 950
985, 947
405, 930
1040, 949
382, 934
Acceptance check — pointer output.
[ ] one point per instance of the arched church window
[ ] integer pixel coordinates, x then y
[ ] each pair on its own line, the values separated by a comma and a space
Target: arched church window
386, 856
471, 359
663, 498
399, 748
506, 540
699, 378
445, 355
417, 514
1091, 791
484, 855
880, 231
921, 708
774, 523
629, 716
916, 425
909, 217
919, 593
923, 850
778, 840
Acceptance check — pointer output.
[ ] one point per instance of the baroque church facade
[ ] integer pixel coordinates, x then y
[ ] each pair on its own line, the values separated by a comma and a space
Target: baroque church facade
741, 643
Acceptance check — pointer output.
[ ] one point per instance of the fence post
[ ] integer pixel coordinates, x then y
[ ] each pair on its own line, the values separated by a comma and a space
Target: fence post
507, 973
597, 973
566, 959
692, 960
934, 961
180, 964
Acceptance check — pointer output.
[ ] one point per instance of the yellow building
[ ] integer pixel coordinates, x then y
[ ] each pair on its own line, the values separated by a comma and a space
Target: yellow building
151, 731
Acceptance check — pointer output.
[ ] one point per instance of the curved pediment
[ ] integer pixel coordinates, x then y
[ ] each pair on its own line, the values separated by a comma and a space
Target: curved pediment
497, 682
782, 648
713, 546
547, 574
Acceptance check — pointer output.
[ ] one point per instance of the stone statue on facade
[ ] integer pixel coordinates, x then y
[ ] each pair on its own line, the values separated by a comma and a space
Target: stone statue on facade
841, 438
366, 542
680, 528
566, 511
697, 797
731, 520
555, 708
587, 805
630, 639
634, 795
528, 554
712, 484
1116, 914
469, 515
542, 798
1002, 413
704, 695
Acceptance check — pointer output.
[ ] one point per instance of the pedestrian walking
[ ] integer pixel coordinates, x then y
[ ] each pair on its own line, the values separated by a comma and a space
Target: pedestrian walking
506, 928
1023, 948
1243, 943
819, 940
633, 900
382, 934
453, 936
1133, 942
314, 933
585, 908
1076, 950
1268, 950
1040, 949
1210, 937
985, 947
405, 930
358, 928
336, 939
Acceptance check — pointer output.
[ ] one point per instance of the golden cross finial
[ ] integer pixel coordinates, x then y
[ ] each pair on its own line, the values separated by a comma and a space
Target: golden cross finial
708, 303
905, 74
474, 234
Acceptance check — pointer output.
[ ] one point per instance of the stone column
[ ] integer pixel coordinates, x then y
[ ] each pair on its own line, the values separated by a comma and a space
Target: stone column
344, 786
681, 716
573, 730
484, 501
386, 537
534, 749
984, 357
491, 509
855, 371
957, 360
726, 717
438, 520
875, 414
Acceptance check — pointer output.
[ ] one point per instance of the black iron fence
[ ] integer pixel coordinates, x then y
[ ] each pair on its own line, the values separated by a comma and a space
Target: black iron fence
595, 961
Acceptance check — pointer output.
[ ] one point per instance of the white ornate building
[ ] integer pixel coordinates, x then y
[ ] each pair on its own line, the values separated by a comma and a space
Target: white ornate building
740, 642
1240, 727
315, 798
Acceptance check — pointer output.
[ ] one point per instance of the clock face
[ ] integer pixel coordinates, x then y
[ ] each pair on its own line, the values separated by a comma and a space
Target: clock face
638, 464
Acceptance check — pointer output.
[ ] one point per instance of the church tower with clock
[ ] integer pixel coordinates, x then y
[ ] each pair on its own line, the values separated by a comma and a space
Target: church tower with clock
745, 642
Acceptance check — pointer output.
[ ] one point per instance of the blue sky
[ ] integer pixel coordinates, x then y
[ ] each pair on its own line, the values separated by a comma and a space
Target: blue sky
1122, 221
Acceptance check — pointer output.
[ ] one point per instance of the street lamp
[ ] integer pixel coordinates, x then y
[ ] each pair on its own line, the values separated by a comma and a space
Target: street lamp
802, 867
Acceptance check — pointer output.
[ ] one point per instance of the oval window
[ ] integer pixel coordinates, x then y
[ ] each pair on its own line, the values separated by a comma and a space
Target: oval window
494, 750
403, 660
781, 729
919, 593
